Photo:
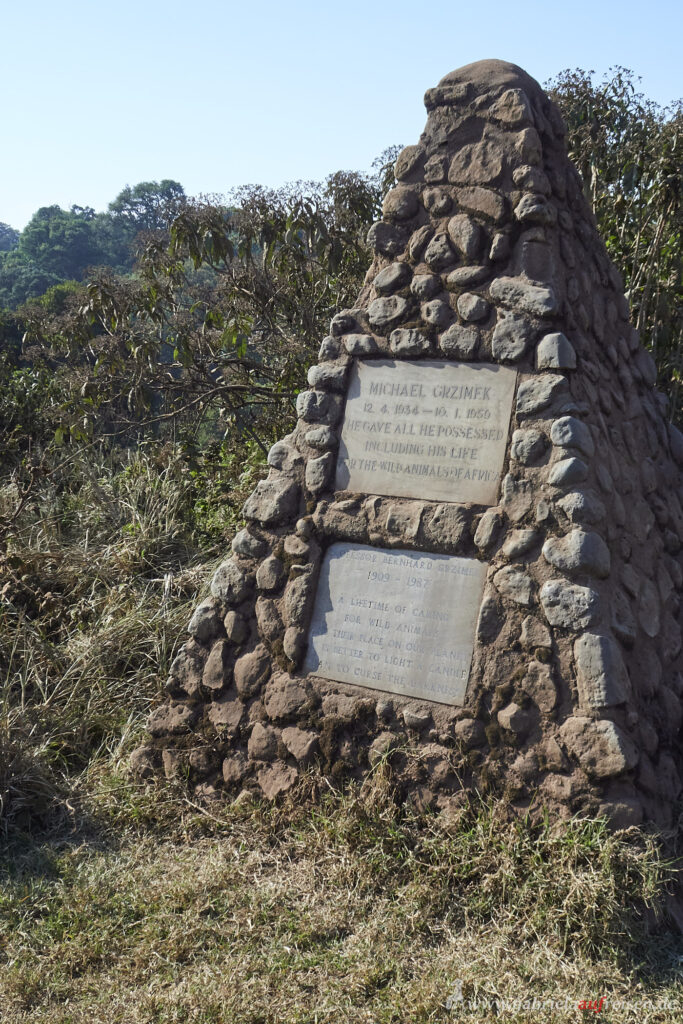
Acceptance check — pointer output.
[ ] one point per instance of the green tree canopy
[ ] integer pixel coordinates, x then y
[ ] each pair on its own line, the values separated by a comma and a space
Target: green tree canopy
59, 241
9, 237
149, 205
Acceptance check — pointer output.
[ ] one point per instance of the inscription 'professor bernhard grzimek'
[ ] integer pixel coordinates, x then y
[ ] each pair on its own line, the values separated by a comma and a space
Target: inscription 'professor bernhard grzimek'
432, 430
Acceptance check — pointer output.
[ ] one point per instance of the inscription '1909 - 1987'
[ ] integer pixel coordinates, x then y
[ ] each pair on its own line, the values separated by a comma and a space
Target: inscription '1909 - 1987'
428, 430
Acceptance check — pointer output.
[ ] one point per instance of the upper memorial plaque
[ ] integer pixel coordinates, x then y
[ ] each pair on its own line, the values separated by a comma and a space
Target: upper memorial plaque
432, 430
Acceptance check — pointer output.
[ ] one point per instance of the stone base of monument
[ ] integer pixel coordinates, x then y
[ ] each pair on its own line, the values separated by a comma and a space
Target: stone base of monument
465, 562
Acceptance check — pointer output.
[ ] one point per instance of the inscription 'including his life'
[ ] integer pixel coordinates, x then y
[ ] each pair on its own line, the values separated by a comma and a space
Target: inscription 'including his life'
401, 621
430, 430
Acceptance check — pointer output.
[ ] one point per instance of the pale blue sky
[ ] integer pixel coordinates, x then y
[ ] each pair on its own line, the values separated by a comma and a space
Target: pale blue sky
217, 94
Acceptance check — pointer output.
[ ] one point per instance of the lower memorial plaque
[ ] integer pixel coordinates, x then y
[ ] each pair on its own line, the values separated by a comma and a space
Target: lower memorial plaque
401, 621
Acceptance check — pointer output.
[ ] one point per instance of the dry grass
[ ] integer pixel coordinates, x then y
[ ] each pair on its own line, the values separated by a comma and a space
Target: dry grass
347, 909
97, 587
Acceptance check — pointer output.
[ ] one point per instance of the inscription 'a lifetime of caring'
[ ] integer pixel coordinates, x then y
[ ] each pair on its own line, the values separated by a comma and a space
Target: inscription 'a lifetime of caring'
428, 430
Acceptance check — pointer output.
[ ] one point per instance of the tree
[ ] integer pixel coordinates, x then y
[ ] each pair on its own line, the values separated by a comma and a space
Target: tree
223, 316
629, 152
60, 242
9, 237
22, 278
149, 205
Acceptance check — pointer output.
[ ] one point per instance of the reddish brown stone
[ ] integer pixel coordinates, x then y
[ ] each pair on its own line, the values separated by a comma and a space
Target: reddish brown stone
251, 671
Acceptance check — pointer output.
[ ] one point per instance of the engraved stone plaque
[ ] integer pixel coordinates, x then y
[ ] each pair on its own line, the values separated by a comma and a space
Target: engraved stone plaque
430, 430
396, 620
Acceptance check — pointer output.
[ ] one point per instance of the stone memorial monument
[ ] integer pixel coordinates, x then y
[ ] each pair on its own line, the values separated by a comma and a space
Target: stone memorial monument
465, 561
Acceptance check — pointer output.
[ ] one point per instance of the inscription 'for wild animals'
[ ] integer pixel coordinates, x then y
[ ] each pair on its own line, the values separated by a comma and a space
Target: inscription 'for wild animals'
430, 430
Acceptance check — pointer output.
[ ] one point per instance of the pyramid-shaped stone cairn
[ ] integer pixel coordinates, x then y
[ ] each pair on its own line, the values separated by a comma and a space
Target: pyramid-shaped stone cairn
465, 561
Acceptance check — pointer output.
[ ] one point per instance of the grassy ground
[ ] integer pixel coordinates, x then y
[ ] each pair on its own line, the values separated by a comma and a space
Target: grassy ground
347, 908
123, 902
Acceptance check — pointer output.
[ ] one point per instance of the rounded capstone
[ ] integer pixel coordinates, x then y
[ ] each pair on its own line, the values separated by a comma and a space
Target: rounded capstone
512, 109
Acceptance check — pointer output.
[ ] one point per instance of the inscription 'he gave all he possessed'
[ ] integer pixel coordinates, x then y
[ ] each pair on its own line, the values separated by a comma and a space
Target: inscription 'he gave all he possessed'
429, 430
